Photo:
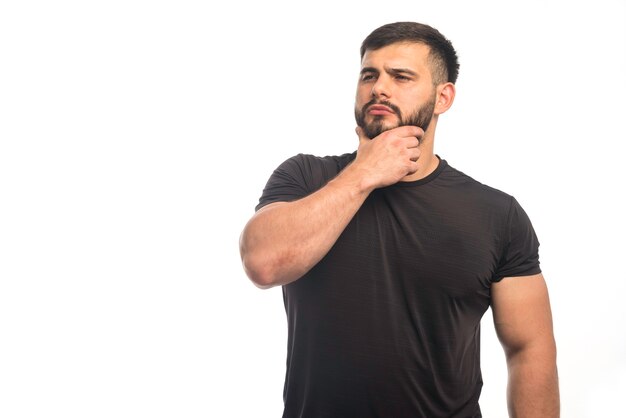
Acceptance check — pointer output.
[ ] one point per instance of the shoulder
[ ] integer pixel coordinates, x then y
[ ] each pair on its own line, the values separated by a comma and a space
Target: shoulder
301, 175
313, 170
475, 191
497, 205
329, 163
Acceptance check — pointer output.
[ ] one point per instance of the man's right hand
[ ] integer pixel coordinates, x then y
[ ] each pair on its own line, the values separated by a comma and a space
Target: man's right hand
389, 157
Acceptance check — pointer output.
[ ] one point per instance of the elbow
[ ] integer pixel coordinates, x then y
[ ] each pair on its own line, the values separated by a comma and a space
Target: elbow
257, 267
253, 265
258, 272
263, 264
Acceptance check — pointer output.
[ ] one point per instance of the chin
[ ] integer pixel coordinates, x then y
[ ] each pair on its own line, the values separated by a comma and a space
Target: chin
383, 126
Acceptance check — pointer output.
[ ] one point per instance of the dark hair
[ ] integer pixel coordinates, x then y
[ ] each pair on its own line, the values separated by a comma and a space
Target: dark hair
443, 58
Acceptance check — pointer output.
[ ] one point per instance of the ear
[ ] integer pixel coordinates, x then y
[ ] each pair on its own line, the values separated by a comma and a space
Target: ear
445, 97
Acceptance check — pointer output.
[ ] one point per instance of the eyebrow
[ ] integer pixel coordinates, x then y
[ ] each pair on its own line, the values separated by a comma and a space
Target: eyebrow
389, 70
368, 70
401, 71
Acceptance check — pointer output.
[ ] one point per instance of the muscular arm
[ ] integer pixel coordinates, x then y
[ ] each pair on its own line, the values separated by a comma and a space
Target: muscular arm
523, 321
284, 240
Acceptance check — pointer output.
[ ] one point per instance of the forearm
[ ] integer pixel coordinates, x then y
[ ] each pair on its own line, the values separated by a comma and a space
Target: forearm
533, 389
281, 243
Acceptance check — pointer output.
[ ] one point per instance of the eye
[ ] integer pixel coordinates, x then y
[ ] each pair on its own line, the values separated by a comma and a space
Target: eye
402, 77
367, 77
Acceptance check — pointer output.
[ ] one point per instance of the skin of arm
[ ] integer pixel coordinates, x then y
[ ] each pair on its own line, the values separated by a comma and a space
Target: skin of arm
284, 240
523, 322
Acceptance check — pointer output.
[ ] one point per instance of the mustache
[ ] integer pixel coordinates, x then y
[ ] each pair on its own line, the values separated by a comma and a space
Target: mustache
373, 102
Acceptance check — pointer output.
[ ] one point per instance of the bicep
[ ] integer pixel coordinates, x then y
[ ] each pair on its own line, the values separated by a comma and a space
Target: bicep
521, 312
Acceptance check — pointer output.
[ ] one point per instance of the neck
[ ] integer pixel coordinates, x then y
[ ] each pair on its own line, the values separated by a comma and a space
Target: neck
426, 164
428, 161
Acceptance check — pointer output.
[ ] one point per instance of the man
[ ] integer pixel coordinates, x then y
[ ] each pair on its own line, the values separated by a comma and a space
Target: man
389, 257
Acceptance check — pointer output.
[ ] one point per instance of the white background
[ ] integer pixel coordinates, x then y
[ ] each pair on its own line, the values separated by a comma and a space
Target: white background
136, 137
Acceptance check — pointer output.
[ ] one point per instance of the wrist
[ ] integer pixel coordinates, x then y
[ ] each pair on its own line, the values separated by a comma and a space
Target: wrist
356, 179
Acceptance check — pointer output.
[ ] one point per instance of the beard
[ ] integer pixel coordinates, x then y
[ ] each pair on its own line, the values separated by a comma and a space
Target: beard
421, 117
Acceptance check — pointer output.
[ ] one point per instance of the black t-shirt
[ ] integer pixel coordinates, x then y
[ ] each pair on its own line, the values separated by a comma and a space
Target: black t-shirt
387, 324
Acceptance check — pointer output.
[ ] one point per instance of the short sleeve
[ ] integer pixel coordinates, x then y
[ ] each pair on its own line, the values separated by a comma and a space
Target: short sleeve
301, 175
520, 256
287, 183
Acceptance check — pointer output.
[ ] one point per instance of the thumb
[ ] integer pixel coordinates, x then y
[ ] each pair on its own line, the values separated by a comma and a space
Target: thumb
361, 134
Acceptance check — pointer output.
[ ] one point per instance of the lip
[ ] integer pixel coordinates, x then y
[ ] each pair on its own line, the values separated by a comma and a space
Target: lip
380, 110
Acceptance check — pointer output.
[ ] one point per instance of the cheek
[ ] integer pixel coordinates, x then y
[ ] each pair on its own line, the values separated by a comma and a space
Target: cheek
411, 102
361, 98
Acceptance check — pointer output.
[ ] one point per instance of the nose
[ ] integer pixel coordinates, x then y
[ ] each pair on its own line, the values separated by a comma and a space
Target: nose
381, 88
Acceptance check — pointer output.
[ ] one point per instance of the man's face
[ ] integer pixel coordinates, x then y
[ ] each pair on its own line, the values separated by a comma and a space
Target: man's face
395, 89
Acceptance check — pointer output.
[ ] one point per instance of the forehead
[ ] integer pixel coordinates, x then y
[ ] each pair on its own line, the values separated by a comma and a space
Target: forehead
410, 55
